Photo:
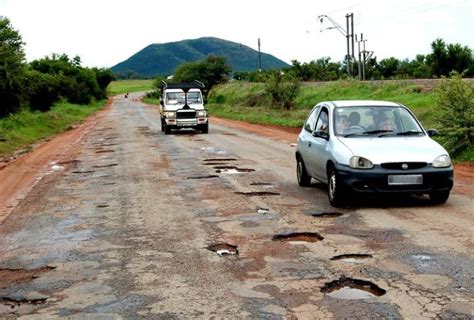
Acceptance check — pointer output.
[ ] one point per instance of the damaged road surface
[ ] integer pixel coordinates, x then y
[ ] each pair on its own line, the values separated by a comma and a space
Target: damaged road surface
137, 223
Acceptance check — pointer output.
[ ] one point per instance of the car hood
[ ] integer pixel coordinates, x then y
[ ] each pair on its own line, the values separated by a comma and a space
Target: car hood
394, 149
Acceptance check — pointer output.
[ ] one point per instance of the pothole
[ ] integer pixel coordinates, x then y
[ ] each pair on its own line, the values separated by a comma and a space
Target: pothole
223, 249
105, 165
352, 257
263, 184
298, 236
34, 298
327, 214
203, 177
258, 193
105, 151
352, 289
83, 171
102, 205
20, 275
220, 160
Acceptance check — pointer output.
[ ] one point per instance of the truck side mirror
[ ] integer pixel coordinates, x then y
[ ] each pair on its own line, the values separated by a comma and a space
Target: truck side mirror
161, 102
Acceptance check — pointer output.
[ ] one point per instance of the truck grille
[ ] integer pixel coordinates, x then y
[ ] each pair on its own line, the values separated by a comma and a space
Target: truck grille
186, 114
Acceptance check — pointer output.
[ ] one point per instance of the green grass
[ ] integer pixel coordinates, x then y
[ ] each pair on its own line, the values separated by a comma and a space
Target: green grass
124, 86
248, 102
20, 130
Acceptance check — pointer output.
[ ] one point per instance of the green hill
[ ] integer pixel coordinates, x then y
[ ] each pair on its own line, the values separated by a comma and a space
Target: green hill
162, 59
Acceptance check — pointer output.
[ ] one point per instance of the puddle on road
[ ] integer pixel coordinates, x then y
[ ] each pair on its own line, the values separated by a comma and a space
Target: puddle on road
262, 210
352, 289
232, 170
298, 236
258, 193
327, 214
352, 257
223, 249
203, 177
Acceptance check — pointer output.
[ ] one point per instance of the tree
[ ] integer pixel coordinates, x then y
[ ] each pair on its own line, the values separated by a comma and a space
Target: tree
454, 113
211, 71
12, 68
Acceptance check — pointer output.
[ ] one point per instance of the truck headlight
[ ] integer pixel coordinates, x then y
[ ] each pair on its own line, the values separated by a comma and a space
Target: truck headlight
442, 161
170, 114
201, 113
360, 163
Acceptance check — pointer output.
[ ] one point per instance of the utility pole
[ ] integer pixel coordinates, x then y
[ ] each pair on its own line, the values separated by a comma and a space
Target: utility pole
348, 33
363, 55
259, 57
359, 75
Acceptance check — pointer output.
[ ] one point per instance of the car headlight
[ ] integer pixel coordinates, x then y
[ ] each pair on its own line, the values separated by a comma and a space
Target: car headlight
442, 161
201, 113
170, 114
360, 163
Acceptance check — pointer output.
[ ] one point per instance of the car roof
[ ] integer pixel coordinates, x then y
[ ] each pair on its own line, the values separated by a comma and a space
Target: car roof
361, 103
181, 90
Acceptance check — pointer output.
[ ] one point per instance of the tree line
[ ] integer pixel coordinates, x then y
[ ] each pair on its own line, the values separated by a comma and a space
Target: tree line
444, 59
39, 84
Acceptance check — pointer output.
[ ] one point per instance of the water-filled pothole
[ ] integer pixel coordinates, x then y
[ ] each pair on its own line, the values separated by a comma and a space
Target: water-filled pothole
327, 214
203, 177
232, 169
223, 249
352, 257
298, 236
352, 289
258, 193
262, 210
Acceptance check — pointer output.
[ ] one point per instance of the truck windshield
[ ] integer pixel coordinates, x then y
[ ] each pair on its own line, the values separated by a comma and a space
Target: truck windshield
194, 97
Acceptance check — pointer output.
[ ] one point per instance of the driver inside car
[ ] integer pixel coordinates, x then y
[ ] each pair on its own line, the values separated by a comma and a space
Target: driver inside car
342, 124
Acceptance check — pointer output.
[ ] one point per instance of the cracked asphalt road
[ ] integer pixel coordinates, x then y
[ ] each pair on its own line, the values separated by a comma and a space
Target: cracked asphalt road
123, 230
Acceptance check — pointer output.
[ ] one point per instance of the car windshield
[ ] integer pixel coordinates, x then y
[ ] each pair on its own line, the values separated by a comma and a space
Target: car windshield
384, 121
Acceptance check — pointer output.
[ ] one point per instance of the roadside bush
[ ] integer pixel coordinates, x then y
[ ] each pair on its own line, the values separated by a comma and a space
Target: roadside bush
454, 113
43, 90
283, 91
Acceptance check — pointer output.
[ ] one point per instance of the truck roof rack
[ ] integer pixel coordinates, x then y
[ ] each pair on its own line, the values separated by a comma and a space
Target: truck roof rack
196, 84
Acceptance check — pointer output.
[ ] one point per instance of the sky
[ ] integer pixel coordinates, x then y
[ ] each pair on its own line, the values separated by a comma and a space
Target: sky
106, 32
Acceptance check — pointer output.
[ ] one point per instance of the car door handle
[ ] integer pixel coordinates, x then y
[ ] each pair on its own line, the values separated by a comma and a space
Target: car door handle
309, 144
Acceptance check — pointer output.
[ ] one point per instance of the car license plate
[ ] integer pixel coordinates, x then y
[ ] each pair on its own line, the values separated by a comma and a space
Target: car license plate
405, 179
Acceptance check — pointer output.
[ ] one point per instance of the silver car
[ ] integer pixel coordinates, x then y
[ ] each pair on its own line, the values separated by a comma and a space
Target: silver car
371, 147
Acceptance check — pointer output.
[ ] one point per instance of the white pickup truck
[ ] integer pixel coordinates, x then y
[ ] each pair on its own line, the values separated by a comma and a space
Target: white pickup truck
182, 106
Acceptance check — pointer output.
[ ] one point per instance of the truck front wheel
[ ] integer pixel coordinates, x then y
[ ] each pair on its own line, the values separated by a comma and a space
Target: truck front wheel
205, 128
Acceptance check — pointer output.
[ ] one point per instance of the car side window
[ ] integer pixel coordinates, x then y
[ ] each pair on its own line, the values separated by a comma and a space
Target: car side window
310, 123
323, 121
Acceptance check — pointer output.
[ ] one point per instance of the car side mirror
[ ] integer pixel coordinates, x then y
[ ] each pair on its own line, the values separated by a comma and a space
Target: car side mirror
161, 102
432, 132
321, 134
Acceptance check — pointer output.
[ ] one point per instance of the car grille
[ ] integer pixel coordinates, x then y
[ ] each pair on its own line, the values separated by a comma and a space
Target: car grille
403, 165
186, 114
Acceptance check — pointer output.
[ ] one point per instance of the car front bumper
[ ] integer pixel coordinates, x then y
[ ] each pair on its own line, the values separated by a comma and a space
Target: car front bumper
375, 180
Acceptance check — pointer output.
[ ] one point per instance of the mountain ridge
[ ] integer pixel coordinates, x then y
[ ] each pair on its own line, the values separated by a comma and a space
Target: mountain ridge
162, 59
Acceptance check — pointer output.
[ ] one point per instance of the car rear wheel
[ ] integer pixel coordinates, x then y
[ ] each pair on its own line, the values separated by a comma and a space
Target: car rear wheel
335, 194
439, 197
304, 179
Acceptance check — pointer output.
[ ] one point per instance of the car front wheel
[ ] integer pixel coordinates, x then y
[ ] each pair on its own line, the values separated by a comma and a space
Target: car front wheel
304, 179
439, 197
335, 194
